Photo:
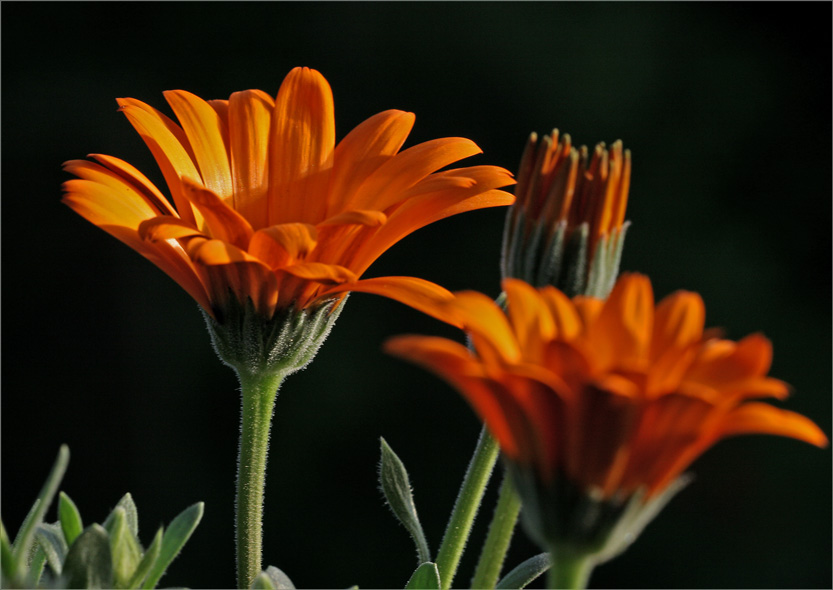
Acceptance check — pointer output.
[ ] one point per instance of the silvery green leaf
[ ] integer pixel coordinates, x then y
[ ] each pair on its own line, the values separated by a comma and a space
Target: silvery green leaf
89, 563
131, 514
50, 538
173, 539
150, 557
26, 535
70, 518
426, 577
525, 573
124, 548
274, 579
396, 486
6, 556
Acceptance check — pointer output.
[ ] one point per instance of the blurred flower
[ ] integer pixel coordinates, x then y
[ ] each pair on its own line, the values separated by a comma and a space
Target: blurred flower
599, 406
567, 227
267, 208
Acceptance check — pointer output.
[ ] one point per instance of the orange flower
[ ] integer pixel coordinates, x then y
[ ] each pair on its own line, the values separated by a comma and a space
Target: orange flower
611, 398
567, 227
267, 207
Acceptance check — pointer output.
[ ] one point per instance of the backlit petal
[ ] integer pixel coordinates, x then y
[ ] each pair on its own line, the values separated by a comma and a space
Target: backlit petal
301, 154
207, 134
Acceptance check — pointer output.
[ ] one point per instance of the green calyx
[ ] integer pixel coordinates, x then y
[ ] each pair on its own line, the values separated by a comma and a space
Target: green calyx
580, 522
561, 256
280, 345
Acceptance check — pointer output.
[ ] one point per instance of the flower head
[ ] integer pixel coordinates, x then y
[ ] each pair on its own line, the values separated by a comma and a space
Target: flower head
567, 227
601, 405
267, 208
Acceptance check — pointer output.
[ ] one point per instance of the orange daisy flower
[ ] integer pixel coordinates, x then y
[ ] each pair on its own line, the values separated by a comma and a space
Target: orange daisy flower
567, 227
267, 208
604, 400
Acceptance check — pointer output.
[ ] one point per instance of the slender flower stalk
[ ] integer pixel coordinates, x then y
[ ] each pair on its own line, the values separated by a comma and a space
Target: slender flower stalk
466, 506
599, 406
499, 537
271, 223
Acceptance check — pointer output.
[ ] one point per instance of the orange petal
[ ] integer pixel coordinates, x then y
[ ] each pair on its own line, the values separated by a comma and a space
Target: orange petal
207, 134
621, 334
138, 181
167, 228
319, 272
170, 148
420, 211
678, 322
490, 330
386, 185
758, 418
453, 362
363, 151
422, 295
531, 322
223, 222
301, 154
568, 323
218, 252
279, 245
250, 119
355, 217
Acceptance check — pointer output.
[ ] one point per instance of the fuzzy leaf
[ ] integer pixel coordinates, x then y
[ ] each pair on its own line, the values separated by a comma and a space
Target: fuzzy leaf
396, 486
89, 563
426, 577
130, 513
71, 523
525, 573
274, 579
124, 547
6, 557
150, 557
174, 538
50, 539
26, 534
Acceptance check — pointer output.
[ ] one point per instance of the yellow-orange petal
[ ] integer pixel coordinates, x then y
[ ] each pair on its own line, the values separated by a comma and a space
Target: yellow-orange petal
217, 252
621, 334
138, 181
489, 327
301, 151
424, 210
758, 418
422, 295
565, 316
678, 322
223, 222
167, 228
320, 272
170, 148
250, 121
368, 146
280, 245
207, 135
386, 185
356, 217
530, 320
453, 363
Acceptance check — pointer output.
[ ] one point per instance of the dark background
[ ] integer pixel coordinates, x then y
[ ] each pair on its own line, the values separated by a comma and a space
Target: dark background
726, 108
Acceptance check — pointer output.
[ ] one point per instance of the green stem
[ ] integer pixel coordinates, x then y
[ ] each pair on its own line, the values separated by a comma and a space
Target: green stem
465, 508
569, 569
499, 537
258, 395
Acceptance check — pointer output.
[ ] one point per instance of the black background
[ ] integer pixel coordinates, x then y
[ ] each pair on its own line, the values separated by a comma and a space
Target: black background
726, 107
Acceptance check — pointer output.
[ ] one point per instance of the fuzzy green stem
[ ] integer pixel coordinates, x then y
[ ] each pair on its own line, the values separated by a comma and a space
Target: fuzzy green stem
500, 535
465, 508
258, 395
569, 569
